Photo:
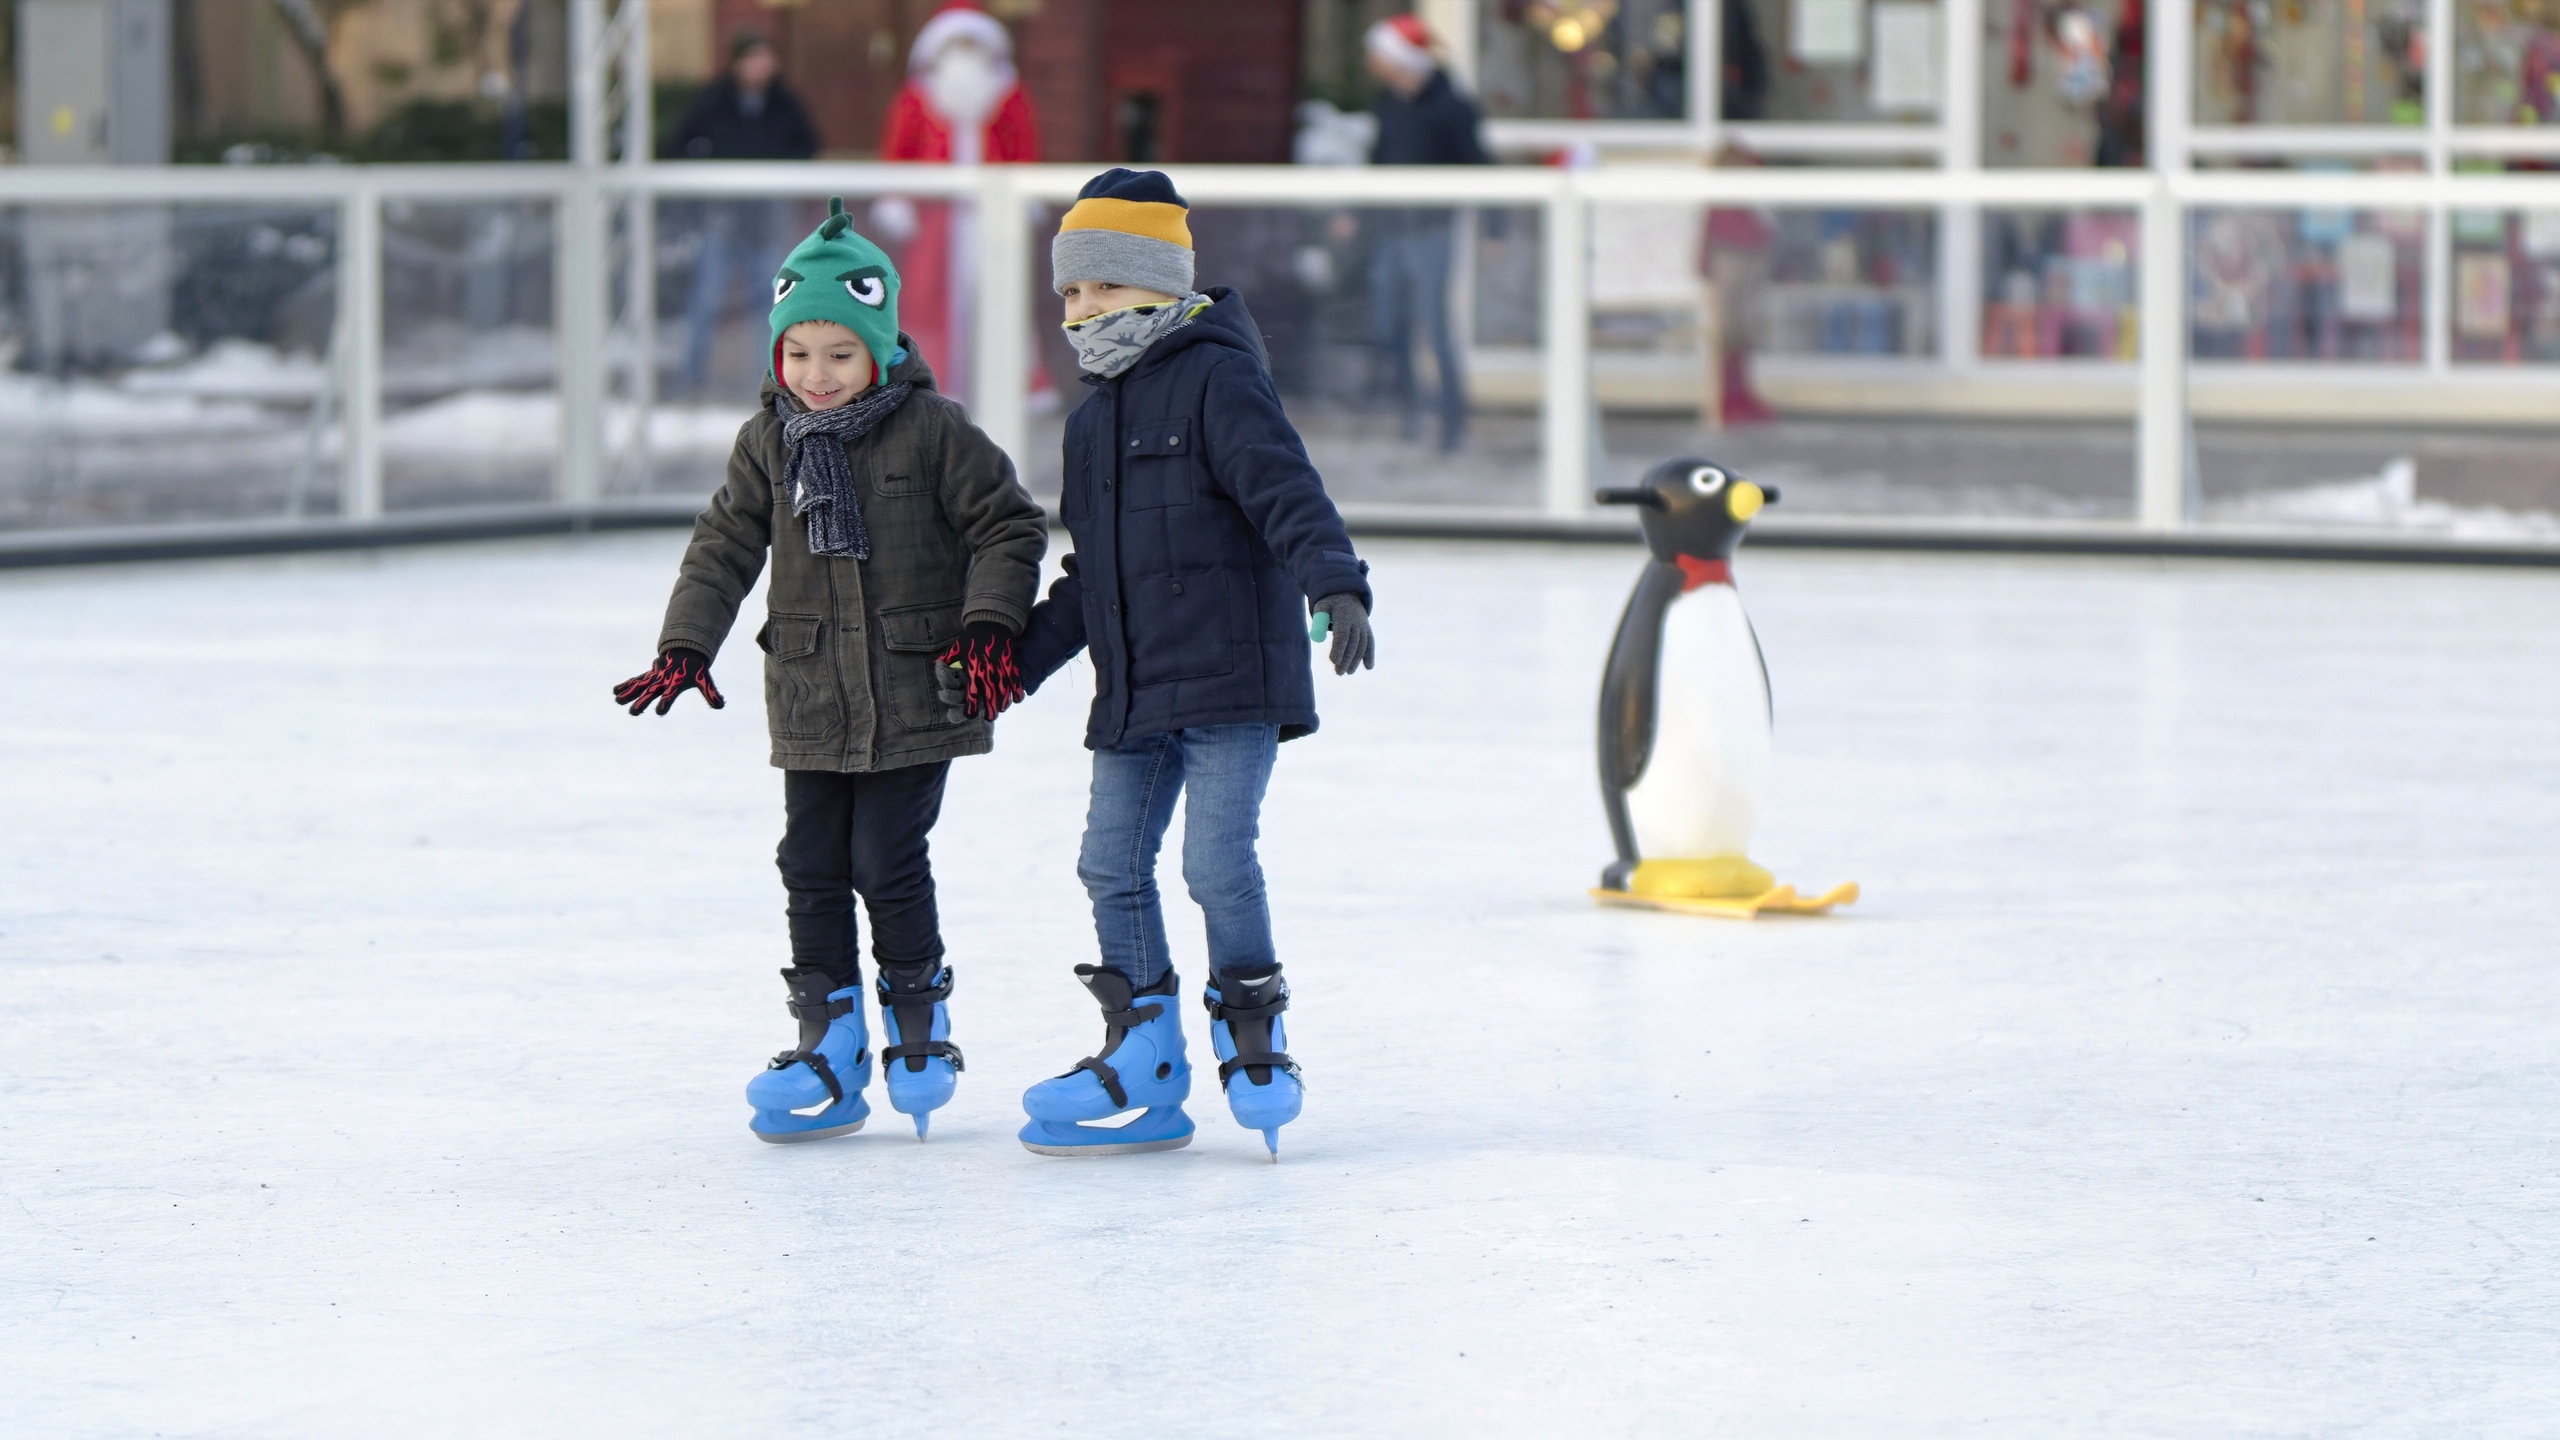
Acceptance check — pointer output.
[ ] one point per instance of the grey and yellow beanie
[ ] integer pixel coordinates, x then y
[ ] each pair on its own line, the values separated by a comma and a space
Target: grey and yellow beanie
837, 275
1128, 227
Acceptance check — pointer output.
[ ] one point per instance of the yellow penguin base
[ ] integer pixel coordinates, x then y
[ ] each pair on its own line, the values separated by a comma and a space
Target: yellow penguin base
1779, 900
1716, 877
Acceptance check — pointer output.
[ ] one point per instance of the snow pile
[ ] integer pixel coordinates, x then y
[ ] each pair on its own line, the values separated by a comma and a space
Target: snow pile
34, 404
2387, 499
234, 369
478, 424
525, 425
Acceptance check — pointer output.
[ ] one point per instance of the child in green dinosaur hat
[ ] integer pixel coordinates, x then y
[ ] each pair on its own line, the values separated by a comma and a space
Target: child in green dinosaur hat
905, 558
836, 277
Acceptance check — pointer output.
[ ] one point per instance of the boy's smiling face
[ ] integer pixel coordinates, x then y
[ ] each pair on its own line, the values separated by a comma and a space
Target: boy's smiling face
824, 364
1088, 298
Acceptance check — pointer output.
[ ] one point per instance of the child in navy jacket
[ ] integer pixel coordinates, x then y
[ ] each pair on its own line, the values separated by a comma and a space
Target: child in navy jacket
1200, 529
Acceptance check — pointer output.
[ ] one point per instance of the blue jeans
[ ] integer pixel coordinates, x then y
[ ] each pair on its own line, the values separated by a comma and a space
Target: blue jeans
1226, 768
741, 249
1409, 290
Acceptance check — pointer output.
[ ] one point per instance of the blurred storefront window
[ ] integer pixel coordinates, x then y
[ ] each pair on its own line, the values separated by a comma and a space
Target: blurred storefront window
1851, 282
2308, 285
2060, 284
2310, 62
1584, 59
2506, 62
2063, 84
2506, 286
1844, 61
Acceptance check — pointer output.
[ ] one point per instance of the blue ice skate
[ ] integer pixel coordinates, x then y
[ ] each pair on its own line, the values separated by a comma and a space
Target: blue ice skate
1262, 1083
1141, 1064
815, 1091
922, 1071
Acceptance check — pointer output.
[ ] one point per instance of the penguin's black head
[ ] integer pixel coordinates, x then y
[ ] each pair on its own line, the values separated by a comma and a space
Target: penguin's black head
1692, 507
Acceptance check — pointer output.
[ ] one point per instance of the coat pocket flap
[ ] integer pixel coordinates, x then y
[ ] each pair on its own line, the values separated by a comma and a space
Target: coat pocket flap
788, 637
921, 628
1159, 437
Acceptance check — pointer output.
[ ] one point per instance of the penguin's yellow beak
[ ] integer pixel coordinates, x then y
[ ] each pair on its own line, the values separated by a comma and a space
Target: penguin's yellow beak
1742, 499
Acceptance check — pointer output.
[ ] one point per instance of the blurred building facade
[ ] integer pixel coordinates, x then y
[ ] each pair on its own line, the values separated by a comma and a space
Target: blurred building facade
1140, 81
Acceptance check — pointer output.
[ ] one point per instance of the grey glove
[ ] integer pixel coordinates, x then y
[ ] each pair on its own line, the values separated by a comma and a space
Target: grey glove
1353, 644
951, 687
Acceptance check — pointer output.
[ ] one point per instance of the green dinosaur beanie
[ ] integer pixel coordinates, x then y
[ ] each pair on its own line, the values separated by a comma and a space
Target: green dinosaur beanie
837, 275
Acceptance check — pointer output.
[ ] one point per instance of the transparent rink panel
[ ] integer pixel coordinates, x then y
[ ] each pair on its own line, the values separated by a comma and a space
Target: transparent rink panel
1404, 344
715, 262
166, 364
470, 403
2372, 440
1803, 348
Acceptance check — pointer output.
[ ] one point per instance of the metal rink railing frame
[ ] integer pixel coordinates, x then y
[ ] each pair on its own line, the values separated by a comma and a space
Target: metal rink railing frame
602, 346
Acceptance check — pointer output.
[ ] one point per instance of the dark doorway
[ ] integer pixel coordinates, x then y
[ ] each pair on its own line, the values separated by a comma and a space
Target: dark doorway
1141, 126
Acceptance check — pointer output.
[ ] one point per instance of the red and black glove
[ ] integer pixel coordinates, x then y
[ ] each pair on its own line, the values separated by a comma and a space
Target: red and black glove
977, 678
677, 671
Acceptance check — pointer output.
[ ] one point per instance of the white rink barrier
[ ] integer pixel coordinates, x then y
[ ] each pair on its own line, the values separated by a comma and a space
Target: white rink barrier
604, 306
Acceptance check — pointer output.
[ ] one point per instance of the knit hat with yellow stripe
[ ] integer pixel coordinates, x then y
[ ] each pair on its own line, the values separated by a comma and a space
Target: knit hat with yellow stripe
1127, 227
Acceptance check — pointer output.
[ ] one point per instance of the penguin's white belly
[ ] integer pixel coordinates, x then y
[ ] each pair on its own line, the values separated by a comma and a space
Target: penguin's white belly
1699, 795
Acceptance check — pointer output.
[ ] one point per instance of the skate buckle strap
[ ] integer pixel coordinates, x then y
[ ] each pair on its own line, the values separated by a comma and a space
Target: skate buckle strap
931, 995
1133, 1017
1219, 1010
925, 1048
1256, 1060
1109, 1077
819, 1009
814, 1061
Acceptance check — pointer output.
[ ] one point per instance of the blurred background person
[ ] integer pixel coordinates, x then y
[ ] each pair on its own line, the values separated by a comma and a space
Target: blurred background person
747, 113
1735, 248
963, 104
1422, 120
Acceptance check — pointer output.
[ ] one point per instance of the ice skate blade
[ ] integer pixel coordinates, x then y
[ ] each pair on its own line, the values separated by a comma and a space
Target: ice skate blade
1157, 1128
794, 1137
1782, 900
1135, 1147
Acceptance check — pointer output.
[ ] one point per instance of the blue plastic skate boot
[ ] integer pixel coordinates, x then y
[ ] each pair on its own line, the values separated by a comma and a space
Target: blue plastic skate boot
922, 1071
1262, 1083
1141, 1064
815, 1091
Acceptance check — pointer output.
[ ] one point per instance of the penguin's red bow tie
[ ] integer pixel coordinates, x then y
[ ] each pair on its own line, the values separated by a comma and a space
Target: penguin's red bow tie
1704, 572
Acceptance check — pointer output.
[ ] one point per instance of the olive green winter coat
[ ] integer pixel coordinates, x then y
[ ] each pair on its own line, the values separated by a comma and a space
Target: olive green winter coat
849, 645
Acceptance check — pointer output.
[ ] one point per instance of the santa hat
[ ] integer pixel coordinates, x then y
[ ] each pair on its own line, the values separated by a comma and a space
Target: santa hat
1404, 42
959, 20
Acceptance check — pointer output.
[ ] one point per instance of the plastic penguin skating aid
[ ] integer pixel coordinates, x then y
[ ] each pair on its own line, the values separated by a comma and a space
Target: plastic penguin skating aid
1685, 710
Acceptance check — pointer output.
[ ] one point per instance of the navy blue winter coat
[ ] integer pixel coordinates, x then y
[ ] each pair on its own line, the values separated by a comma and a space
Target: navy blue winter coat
1201, 531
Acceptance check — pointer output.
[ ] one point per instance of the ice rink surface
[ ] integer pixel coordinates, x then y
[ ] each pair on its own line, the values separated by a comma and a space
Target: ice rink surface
375, 1001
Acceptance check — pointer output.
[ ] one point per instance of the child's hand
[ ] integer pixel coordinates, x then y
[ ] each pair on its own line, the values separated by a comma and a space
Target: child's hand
677, 671
1353, 645
976, 676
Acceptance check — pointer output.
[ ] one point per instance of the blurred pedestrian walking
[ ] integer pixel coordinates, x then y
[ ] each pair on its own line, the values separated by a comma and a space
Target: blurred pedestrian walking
748, 113
1422, 120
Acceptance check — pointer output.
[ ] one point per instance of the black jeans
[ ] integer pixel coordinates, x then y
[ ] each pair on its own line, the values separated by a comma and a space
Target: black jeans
860, 834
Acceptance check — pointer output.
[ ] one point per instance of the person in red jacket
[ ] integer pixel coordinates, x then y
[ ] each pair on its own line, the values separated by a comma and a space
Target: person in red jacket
963, 104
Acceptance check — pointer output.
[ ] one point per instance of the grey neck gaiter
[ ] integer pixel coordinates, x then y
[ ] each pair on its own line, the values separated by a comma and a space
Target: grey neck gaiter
1112, 341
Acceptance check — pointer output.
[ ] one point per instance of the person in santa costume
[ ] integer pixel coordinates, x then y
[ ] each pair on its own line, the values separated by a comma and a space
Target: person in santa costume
962, 104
